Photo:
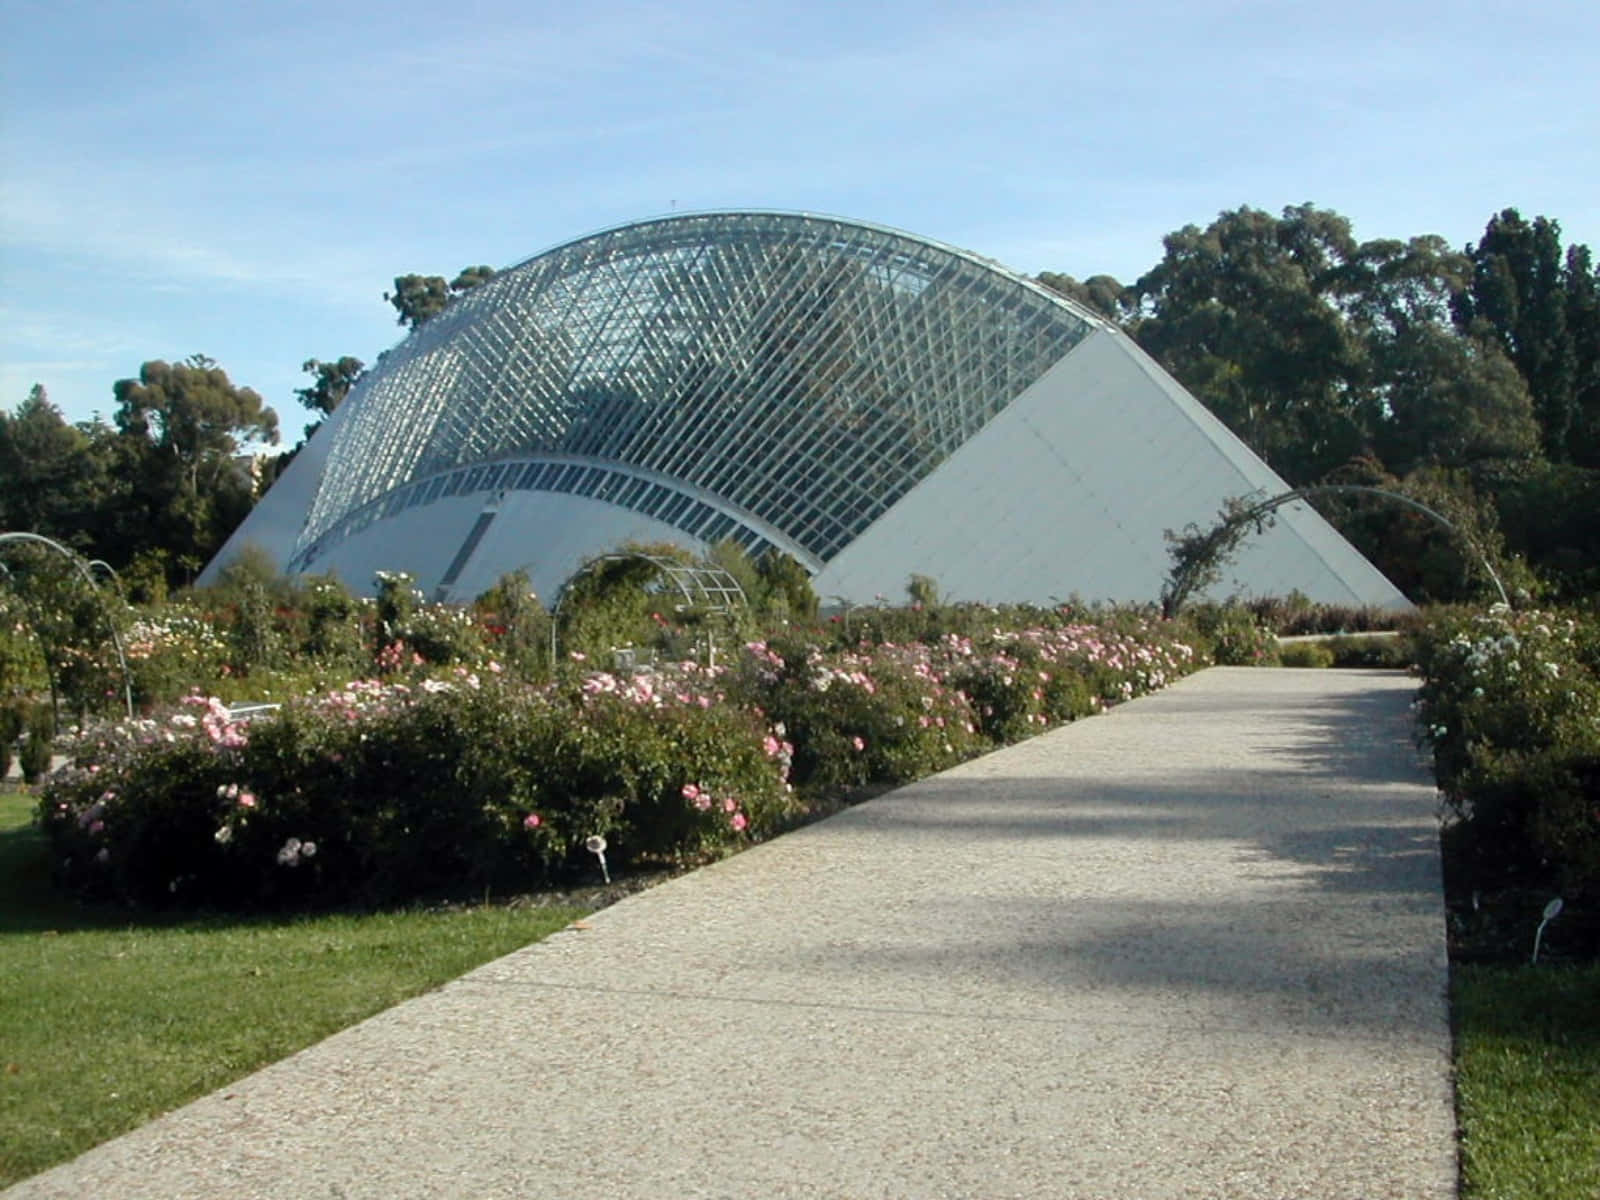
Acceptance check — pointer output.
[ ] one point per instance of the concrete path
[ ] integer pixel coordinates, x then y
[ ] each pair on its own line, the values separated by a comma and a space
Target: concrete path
1193, 948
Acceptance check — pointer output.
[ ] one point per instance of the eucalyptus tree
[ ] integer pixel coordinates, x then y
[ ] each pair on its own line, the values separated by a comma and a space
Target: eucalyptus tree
419, 297
1246, 315
181, 429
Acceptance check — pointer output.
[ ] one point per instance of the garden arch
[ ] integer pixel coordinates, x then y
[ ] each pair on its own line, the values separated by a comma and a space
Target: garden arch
700, 584
85, 569
1216, 545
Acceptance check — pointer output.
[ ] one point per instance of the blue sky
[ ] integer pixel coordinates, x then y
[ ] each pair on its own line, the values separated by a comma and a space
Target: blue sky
244, 179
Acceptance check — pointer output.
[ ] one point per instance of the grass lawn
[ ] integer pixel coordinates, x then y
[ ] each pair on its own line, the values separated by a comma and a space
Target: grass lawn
106, 1023
1528, 1081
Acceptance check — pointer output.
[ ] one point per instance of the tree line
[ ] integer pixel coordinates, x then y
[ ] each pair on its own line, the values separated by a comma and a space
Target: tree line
1469, 379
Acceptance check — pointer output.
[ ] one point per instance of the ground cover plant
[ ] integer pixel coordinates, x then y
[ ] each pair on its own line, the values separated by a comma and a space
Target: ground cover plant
108, 1019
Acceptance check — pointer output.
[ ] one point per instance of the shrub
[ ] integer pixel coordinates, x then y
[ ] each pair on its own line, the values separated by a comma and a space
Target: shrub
381, 792
880, 716
891, 711
1295, 615
1510, 704
1393, 653
22, 666
409, 785
38, 743
516, 624
1305, 654
1233, 635
333, 631
172, 650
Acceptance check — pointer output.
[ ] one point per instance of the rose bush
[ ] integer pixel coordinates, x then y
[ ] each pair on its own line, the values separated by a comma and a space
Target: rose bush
432, 779
379, 792
1510, 705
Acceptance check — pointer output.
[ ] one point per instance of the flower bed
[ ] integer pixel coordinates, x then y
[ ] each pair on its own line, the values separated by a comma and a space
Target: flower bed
384, 790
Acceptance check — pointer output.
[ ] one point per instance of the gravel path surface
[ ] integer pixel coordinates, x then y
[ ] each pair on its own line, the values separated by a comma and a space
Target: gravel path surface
1193, 948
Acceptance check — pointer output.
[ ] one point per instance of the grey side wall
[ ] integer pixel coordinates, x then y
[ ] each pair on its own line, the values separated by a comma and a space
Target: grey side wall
1071, 489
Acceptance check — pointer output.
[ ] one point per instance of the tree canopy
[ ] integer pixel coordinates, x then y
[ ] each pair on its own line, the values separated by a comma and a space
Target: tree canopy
53, 476
330, 383
419, 297
1480, 367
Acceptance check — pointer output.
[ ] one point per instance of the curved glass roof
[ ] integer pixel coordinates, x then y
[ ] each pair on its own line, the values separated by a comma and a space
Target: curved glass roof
799, 373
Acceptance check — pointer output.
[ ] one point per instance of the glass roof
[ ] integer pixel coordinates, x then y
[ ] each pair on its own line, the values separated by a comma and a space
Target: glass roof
805, 371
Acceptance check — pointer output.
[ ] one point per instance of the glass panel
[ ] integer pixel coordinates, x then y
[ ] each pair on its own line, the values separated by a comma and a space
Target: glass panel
732, 351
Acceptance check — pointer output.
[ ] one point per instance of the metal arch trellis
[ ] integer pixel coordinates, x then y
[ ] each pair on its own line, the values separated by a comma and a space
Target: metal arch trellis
1181, 586
85, 569
701, 584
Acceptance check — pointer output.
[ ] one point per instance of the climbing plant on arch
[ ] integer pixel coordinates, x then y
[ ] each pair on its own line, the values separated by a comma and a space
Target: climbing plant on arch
1199, 555
690, 588
71, 617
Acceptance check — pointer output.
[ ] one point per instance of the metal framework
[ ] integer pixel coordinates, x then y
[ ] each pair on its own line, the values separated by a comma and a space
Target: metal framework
702, 585
778, 379
86, 569
1183, 582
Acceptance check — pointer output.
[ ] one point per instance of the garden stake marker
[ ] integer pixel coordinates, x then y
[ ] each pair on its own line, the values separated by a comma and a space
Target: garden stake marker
1551, 912
596, 845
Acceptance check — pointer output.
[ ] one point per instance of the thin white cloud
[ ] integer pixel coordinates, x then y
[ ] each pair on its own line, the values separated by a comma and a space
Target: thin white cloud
166, 245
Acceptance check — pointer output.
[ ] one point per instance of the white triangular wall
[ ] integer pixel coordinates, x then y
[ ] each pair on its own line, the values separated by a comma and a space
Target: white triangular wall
1070, 489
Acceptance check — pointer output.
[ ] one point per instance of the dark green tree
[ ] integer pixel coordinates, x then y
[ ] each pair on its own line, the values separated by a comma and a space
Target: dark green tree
1583, 324
1444, 398
330, 383
181, 428
1246, 314
1519, 292
470, 277
1452, 402
53, 476
418, 297
1102, 293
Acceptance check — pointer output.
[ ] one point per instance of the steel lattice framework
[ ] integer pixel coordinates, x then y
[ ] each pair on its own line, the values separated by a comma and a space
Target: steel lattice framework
781, 379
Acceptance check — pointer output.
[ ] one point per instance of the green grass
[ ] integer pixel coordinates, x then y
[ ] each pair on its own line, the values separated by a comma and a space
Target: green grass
1528, 1081
106, 1023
